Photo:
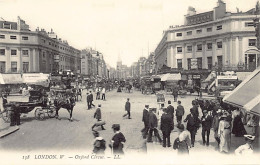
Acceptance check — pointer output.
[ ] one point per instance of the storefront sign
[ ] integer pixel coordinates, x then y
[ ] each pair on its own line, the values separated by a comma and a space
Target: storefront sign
56, 58
196, 76
193, 63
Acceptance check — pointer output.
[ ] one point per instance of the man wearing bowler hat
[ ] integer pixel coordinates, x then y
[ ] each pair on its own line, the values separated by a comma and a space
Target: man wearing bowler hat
206, 121
145, 119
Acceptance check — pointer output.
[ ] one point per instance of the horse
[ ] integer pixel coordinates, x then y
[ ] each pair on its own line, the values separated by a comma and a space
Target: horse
68, 104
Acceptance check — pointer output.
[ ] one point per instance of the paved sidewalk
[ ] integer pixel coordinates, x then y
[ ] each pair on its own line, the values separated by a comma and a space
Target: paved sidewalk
6, 129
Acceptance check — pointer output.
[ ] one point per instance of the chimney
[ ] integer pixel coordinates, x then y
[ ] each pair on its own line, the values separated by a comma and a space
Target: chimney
191, 11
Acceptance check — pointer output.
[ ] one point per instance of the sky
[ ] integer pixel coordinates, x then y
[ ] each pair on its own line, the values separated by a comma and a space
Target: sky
126, 28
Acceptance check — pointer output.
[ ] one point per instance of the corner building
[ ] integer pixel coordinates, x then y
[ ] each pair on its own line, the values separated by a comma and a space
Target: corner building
213, 38
23, 50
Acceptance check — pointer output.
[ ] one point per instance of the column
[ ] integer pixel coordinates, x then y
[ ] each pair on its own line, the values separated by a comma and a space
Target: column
36, 60
225, 57
20, 61
228, 51
194, 48
32, 51
8, 60
174, 60
240, 47
184, 59
214, 56
224, 52
233, 53
204, 57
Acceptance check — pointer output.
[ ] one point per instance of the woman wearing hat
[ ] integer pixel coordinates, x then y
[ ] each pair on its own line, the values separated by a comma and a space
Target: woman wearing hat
238, 126
99, 144
224, 134
118, 140
97, 115
183, 141
246, 149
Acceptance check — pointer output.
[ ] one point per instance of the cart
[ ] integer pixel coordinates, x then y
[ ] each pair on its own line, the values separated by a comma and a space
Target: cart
41, 108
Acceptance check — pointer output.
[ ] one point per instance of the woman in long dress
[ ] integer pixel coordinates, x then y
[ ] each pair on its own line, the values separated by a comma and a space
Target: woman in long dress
224, 134
238, 127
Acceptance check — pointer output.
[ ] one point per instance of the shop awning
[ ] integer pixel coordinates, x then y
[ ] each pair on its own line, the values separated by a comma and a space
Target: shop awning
247, 94
11, 79
36, 79
171, 77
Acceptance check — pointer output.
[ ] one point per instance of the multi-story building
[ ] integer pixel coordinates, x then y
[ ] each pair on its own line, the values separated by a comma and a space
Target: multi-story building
216, 38
86, 62
22, 50
141, 66
149, 64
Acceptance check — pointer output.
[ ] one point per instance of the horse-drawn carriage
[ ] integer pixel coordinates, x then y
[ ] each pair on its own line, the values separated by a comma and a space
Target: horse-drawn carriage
41, 108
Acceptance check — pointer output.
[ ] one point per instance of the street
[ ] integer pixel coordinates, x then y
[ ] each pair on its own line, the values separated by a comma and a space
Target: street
63, 135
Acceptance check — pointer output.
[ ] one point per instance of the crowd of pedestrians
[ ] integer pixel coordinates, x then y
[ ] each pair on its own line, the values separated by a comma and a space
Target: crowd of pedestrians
222, 122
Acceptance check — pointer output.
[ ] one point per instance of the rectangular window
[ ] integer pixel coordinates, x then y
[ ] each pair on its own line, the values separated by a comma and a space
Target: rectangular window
13, 52
43, 40
24, 37
219, 45
13, 66
179, 34
25, 67
247, 24
43, 65
209, 29
209, 46
2, 67
209, 62
219, 27
199, 31
25, 52
189, 63
199, 47
179, 63
2, 36
252, 42
189, 33
2, 52
189, 48
13, 37
7, 26
220, 61
199, 62
179, 49
43, 54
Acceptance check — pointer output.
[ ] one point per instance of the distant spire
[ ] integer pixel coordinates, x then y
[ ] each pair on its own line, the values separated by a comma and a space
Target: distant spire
119, 58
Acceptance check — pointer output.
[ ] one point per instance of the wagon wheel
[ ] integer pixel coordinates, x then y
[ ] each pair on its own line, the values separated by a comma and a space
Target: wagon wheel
51, 111
39, 114
6, 116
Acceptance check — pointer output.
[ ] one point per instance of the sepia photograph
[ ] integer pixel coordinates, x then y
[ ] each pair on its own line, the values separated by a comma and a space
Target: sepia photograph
129, 82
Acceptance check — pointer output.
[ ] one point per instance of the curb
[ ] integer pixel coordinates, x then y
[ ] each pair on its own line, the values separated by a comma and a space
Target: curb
8, 130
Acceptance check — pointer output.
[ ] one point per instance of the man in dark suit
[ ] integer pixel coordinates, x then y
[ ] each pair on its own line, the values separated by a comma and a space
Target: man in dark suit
179, 113
91, 99
194, 110
145, 119
170, 111
88, 101
127, 108
166, 127
192, 125
153, 124
206, 121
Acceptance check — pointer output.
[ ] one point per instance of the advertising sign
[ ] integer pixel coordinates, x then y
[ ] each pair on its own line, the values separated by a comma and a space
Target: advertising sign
193, 63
